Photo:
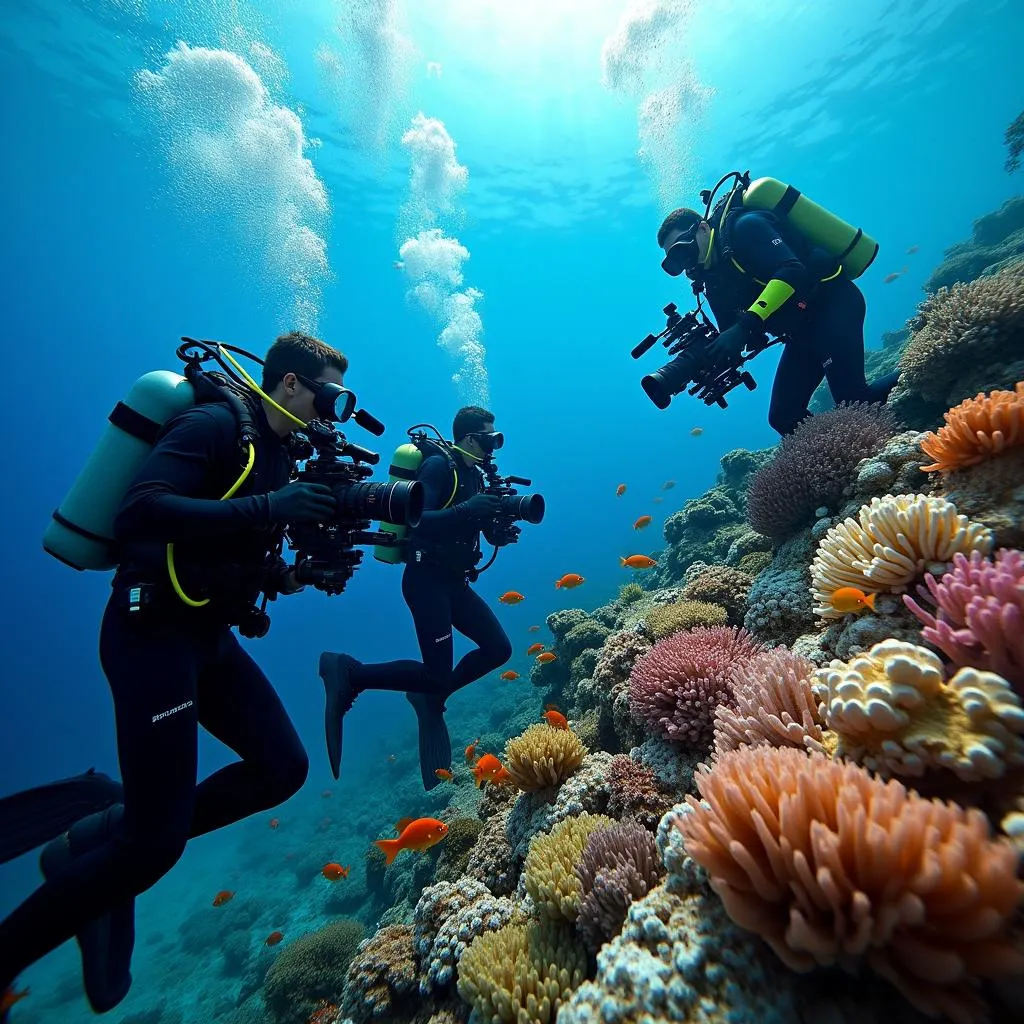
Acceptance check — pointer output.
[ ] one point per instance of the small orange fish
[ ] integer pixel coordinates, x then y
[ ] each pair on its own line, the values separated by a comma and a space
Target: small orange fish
534, 649
620, 490
485, 769
851, 599
501, 777
443, 774
471, 751
420, 834
533, 629
10, 997
224, 896
668, 485
274, 822
546, 658
511, 597
402, 824
568, 581
326, 795
642, 522
555, 718
638, 562
509, 675
913, 249
274, 938
333, 872
696, 432
658, 501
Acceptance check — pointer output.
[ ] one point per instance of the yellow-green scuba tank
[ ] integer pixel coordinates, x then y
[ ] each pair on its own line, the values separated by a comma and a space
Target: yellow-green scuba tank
81, 530
854, 250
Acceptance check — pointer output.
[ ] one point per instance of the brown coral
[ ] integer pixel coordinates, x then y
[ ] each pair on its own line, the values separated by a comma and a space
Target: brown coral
541, 757
830, 865
382, 976
665, 619
722, 585
976, 430
634, 791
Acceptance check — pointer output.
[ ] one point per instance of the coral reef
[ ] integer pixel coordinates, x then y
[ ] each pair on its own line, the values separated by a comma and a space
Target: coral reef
980, 606
630, 592
894, 540
635, 791
996, 241
976, 430
928, 909
676, 687
665, 619
893, 712
993, 493
491, 859
724, 586
813, 467
779, 605
382, 978
1014, 140
542, 756
454, 856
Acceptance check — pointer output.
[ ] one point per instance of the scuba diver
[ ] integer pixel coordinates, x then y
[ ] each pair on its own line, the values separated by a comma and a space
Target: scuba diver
441, 554
196, 544
763, 275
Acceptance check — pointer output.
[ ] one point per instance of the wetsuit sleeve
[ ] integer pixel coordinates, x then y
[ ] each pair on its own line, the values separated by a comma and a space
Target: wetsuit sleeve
438, 522
162, 504
763, 253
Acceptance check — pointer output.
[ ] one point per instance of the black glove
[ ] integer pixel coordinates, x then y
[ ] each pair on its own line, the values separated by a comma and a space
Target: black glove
728, 346
482, 506
300, 502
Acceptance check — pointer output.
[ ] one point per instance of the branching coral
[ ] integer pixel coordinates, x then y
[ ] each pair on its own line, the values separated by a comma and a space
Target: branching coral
721, 585
893, 541
549, 871
619, 864
977, 429
830, 865
980, 621
813, 466
774, 705
894, 713
522, 973
665, 619
543, 756
635, 791
676, 687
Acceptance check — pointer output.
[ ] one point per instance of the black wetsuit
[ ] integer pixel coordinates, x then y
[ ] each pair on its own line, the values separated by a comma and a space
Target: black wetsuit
171, 669
822, 324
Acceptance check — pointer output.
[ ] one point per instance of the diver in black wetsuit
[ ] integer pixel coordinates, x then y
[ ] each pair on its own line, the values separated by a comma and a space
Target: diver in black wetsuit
441, 555
173, 667
778, 284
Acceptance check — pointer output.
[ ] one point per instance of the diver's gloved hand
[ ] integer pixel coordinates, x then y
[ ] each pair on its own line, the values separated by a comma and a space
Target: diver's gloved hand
300, 502
482, 506
728, 346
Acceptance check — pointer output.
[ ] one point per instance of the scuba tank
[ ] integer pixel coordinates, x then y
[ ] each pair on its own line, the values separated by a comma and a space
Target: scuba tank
847, 244
81, 529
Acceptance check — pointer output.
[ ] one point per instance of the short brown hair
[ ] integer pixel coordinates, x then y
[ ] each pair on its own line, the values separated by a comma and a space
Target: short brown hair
469, 419
296, 352
678, 220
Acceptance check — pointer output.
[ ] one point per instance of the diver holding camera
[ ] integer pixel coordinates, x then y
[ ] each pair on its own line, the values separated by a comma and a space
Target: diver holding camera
188, 494
770, 262
464, 496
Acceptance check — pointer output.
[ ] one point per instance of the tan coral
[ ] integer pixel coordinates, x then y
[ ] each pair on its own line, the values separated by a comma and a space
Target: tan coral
522, 973
541, 757
550, 868
664, 620
832, 866
893, 541
978, 429
893, 712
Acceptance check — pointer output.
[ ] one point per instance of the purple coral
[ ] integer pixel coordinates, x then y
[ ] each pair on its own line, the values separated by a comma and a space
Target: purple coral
980, 605
676, 687
813, 466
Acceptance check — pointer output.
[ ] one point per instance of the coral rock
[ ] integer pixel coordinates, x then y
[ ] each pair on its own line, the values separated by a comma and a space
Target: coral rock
382, 977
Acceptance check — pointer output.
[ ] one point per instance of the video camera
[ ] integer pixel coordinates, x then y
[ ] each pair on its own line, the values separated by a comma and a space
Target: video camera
514, 507
325, 553
688, 337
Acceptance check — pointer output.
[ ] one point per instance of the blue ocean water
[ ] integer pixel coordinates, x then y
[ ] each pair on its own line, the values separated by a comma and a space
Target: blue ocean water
232, 170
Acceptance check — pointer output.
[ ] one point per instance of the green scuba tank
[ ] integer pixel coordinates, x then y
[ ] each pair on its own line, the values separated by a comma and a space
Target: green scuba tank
849, 245
81, 531
404, 464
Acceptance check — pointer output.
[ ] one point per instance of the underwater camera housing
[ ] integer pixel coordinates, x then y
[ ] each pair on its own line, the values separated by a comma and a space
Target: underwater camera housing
326, 553
687, 337
514, 507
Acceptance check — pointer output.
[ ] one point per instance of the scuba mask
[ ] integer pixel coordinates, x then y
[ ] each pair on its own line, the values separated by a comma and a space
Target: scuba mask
683, 254
490, 441
325, 399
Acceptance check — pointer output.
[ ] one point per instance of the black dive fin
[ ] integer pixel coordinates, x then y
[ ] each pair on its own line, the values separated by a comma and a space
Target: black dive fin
435, 744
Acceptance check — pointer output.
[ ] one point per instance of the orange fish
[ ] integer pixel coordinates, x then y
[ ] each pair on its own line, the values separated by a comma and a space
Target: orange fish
568, 581
274, 938
501, 777
642, 522
620, 490
470, 752
555, 719
443, 774
420, 834
913, 249
696, 432
402, 824
10, 997
274, 822
509, 675
851, 599
511, 597
534, 649
638, 562
222, 897
326, 795
333, 872
668, 485
546, 658
889, 278
486, 769
533, 629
